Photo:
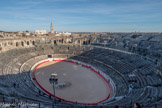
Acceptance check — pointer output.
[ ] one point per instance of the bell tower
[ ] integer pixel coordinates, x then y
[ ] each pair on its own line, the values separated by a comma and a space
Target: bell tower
51, 27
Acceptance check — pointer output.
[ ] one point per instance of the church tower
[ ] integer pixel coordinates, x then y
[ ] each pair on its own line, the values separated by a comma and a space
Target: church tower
51, 27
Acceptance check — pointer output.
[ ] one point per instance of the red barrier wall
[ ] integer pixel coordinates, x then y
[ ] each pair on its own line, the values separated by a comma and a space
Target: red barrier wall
34, 78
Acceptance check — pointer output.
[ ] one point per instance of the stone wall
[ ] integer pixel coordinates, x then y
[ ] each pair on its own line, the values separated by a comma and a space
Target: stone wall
8, 44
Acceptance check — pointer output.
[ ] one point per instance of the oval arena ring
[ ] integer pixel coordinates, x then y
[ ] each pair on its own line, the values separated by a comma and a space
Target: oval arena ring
77, 82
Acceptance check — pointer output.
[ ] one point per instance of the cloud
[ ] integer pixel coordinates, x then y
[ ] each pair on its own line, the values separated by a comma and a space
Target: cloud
82, 13
29, 2
37, 2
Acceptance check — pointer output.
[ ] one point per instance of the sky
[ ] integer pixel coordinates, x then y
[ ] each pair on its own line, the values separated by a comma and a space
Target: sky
81, 15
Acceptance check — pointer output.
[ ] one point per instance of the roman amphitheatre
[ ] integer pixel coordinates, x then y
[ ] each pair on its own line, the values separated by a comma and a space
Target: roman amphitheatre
93, 70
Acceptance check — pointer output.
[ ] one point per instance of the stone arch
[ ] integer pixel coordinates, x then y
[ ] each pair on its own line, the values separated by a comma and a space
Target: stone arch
54, 42
33, 42
89, 41
60, 40
11, 43
22, 43
5, 44
84, 42
17, 44
0, 47
79, 41
28, 43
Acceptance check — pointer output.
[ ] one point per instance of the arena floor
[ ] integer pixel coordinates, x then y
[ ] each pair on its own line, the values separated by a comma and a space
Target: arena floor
82, 84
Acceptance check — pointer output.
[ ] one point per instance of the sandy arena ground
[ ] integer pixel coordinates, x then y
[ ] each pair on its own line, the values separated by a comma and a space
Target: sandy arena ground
86, 86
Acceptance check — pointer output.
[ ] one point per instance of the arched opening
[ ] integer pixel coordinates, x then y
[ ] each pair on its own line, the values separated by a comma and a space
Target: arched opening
78, 41
0, 48
89, 41
27, 42
17, 44
22, 43
84, 43
33, 42
5, 44
55, 42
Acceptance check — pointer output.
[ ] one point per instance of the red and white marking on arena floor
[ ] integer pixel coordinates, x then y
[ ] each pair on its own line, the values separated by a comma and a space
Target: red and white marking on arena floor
77, 63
